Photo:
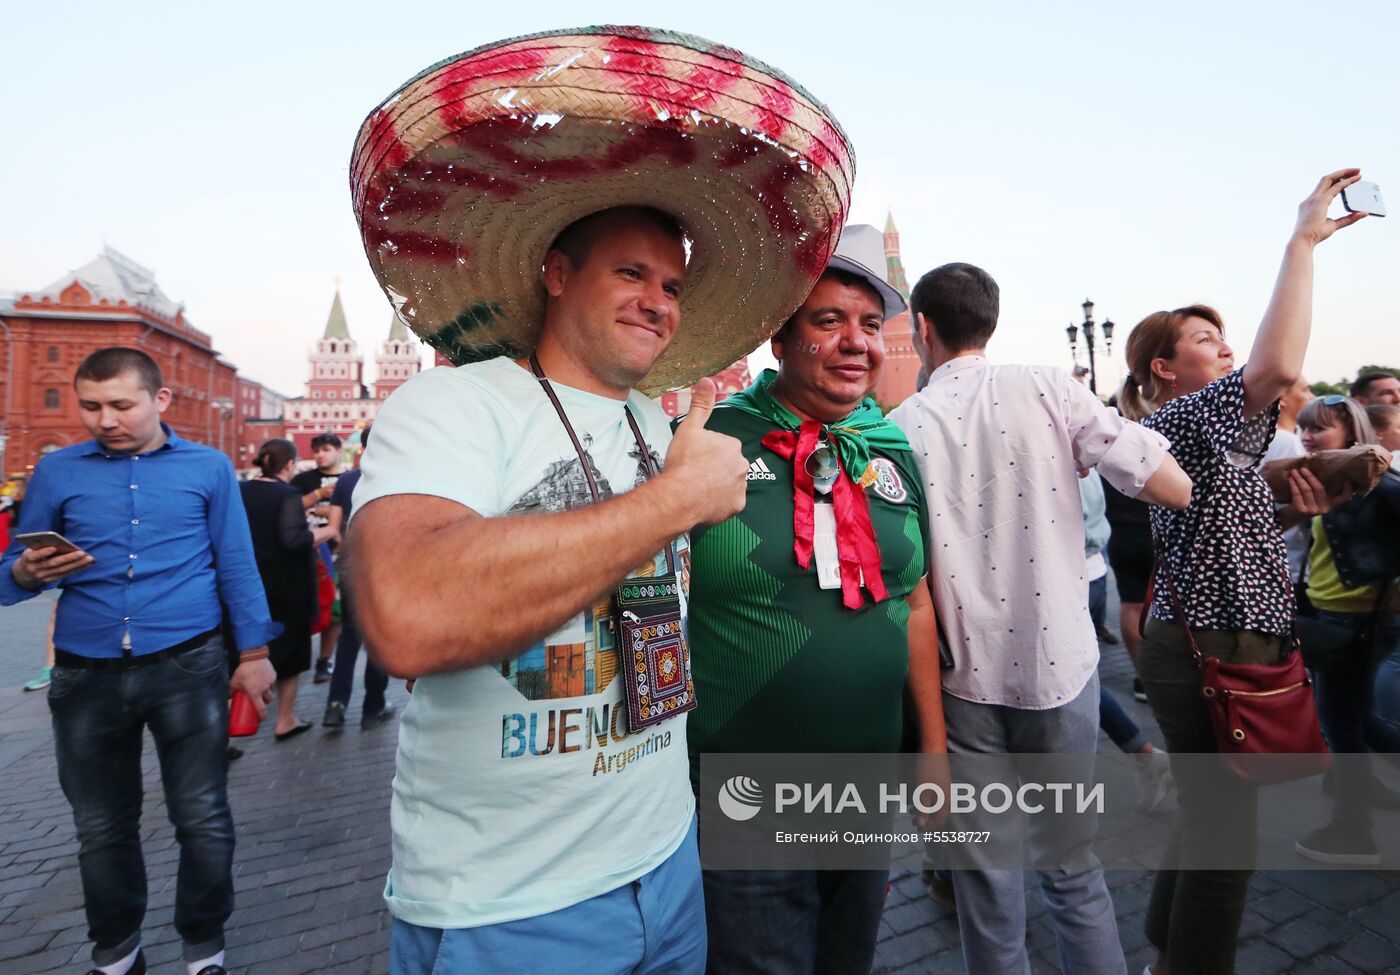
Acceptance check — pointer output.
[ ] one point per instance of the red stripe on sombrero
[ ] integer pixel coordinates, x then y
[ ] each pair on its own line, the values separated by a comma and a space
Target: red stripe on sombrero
714, 73
406, 199
496, 140
775, 111
814, 252
822, 148
411, 243
374, 194
741, 150
634, 64
452, 113
773, 196
505, 64
438, 173
708, 83
668, 141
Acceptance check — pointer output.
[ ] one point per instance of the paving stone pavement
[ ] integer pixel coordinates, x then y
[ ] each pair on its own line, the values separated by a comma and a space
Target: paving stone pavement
312, 820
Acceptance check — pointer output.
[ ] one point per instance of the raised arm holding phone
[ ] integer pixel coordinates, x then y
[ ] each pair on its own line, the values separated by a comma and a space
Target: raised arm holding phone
1224, 559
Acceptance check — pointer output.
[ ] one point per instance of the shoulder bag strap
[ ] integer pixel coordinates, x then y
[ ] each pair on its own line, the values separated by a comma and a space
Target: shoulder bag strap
647, 462
1162, 570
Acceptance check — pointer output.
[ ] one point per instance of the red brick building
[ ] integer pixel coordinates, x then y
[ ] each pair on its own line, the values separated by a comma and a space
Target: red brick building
111, 300
259, 419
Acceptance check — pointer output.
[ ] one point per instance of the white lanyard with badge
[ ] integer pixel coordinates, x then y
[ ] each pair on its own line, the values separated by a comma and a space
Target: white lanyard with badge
654, 658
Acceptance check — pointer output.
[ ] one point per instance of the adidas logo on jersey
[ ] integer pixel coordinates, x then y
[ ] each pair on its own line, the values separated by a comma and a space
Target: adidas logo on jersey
758, 471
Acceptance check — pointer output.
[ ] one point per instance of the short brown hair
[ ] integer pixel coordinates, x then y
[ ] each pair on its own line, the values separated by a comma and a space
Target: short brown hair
1155, 337
111, 362
1361, 385
961, 302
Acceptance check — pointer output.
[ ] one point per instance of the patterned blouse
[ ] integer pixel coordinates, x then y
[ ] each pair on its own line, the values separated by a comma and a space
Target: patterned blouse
1225, 550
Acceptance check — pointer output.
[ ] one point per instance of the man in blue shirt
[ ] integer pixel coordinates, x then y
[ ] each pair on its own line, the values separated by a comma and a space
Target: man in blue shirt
163, 553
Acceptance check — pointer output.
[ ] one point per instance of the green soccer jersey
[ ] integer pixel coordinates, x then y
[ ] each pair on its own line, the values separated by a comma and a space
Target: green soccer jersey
780, 664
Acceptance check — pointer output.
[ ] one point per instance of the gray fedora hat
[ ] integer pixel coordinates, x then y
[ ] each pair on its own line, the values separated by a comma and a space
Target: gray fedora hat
862, 248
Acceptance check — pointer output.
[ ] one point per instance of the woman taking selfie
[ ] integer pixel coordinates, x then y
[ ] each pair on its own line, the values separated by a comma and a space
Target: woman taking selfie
1224, 558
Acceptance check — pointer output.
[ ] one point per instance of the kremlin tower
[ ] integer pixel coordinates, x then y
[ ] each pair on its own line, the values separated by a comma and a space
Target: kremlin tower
900, 376
337, 371
336, 399
397, 360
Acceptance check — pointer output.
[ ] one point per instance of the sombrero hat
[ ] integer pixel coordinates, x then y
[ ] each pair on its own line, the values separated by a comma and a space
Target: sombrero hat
463, 177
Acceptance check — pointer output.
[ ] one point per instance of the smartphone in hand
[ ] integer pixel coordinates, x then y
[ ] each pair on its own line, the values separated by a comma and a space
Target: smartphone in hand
1363, 197
46, 540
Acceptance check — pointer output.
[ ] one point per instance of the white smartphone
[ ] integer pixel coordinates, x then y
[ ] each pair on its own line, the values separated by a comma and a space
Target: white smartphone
1363, 197
46, 540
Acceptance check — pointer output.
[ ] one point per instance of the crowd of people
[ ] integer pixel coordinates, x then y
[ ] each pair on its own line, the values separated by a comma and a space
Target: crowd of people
588, 597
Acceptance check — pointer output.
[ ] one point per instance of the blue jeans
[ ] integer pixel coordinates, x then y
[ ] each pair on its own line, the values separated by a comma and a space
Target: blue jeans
1098, 600
1383, 718
1350, 721
793, 922
98, 721
347, 650
1121, 729
653, 926
992, 903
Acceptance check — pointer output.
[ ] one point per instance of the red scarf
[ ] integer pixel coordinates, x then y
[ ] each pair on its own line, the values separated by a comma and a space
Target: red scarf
856, 547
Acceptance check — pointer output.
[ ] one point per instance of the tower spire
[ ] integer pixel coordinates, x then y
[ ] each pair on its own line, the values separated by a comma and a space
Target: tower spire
894, 266
336, 327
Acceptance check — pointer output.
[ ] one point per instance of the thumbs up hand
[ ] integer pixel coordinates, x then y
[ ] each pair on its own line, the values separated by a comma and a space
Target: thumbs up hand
708, 467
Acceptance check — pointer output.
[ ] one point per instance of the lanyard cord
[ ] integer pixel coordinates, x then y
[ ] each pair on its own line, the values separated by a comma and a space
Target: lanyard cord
648, 464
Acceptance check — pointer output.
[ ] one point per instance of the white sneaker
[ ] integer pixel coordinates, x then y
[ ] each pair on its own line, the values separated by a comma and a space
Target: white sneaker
1154, 780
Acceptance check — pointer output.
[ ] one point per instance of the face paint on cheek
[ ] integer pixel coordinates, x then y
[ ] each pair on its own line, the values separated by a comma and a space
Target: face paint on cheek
811, 349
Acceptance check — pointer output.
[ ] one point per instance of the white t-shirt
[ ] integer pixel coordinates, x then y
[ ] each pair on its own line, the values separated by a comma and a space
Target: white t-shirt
517, 789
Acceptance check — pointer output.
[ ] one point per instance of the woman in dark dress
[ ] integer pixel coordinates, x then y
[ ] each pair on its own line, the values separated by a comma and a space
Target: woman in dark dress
284, 545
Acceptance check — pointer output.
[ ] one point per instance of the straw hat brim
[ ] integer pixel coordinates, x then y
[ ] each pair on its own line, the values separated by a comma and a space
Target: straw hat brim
464, 176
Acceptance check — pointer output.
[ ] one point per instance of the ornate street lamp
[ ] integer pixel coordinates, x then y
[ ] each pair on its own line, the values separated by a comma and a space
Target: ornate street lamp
1088, 327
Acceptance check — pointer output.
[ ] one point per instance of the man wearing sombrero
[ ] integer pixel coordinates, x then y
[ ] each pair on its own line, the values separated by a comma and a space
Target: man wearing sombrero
797, 648
527, 207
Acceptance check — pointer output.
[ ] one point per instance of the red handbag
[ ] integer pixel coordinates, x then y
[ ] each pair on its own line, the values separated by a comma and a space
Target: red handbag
325, 595
1264, 715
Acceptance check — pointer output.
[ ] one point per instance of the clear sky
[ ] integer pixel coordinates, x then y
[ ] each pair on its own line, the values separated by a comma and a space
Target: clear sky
1145, 158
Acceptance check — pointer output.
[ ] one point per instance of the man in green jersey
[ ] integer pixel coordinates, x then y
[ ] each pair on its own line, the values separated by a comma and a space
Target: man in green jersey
809, 610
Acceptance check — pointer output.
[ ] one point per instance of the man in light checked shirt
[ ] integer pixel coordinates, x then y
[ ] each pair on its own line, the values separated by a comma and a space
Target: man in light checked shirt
1000, 448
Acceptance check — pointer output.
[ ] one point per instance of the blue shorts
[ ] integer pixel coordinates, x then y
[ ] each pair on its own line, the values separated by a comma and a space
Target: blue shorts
653, 926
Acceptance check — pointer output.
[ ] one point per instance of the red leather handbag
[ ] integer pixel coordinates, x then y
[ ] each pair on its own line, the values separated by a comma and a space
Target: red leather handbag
1263, 715
325, 595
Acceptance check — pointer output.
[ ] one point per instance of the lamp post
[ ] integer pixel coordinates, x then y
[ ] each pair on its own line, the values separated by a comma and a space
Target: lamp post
1088, 326
225, 408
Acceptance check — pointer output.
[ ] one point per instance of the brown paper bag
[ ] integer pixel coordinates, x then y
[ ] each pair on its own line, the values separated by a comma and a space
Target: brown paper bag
1361, 466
